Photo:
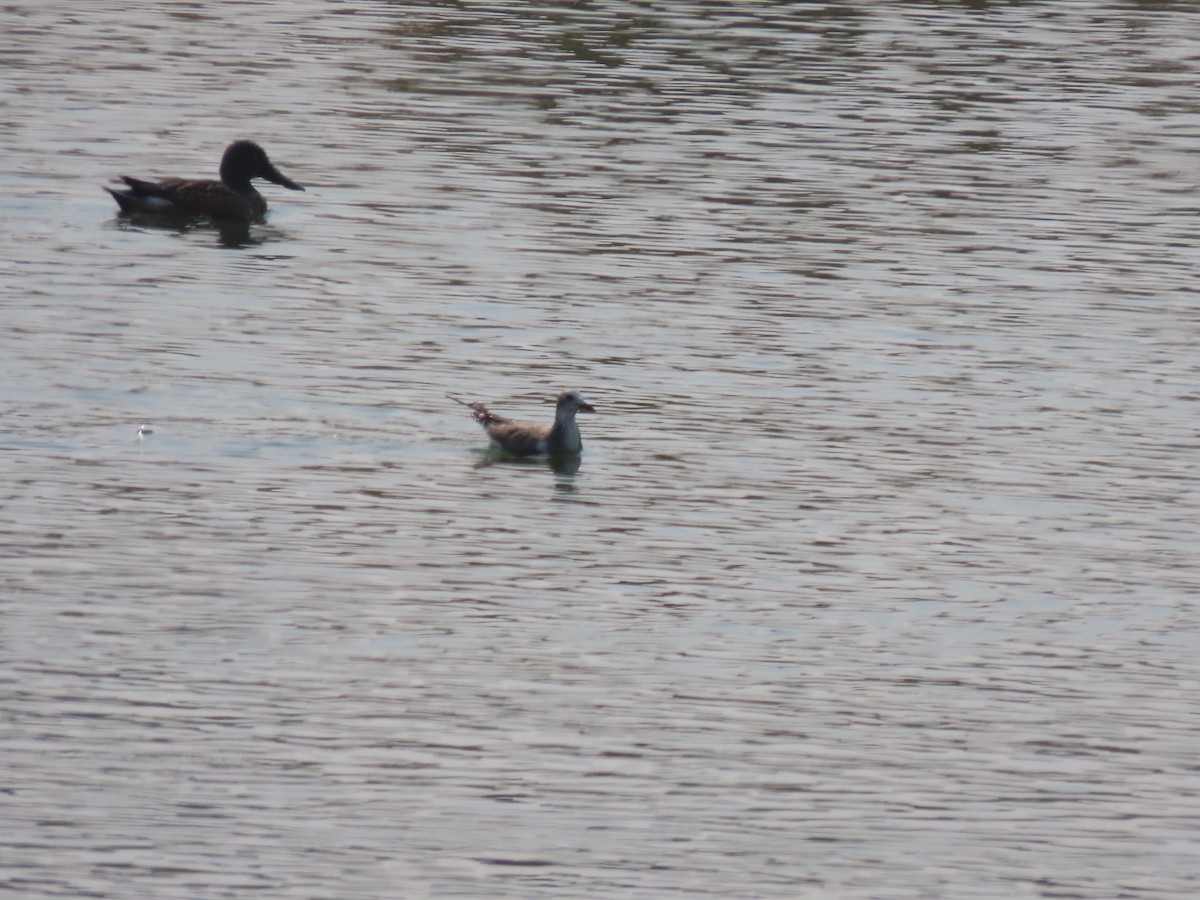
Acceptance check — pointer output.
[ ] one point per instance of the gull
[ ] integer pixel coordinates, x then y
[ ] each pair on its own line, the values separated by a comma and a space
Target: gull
527, 439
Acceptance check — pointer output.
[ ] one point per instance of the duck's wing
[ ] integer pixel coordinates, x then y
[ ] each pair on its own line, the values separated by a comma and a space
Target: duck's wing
183, 196
168, 188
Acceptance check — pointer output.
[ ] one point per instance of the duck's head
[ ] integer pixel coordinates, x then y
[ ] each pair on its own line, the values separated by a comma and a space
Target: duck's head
244, 160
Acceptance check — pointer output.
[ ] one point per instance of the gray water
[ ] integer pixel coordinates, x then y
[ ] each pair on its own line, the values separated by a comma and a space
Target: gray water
876, 578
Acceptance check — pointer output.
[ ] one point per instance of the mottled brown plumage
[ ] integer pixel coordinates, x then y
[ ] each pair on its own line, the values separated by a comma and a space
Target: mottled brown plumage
233, 198
528, 439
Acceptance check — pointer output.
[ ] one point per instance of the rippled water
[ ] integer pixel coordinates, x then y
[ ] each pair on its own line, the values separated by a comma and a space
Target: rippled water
876, 578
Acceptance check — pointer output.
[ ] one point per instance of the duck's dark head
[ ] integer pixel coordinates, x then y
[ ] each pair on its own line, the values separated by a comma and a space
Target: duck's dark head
244, 160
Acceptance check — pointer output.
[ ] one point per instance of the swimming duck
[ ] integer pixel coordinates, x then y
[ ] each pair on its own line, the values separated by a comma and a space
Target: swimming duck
231, 198
526, 439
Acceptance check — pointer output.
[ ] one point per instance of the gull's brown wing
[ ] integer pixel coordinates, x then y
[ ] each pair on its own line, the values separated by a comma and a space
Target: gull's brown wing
518, 438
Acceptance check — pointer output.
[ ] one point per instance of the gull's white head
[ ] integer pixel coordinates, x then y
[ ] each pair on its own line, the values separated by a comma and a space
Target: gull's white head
572, 401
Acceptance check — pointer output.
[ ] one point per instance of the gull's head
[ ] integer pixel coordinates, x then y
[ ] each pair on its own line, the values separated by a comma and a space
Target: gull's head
572, 401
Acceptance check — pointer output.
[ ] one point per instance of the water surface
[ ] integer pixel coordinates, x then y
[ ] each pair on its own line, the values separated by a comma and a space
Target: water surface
877, 575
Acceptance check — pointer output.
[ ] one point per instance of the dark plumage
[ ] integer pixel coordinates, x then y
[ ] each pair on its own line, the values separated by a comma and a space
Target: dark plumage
231, 198
527, 439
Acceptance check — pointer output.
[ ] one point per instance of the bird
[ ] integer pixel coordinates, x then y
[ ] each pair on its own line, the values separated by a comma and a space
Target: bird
232, 198
527, 439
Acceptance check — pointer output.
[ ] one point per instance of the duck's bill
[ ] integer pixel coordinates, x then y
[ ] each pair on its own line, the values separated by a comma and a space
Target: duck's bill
273, 175
586, 407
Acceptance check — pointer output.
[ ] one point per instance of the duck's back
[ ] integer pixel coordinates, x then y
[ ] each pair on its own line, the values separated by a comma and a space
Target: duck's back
214, 199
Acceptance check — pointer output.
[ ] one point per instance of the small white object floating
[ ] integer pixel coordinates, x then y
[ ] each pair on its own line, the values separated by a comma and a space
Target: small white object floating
143, 431
527, 439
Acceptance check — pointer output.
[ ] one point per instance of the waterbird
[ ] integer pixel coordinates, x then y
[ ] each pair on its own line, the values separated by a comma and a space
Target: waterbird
231, 198
528, 439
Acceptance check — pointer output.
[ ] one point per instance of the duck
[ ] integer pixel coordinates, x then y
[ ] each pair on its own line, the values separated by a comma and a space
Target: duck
232, 198
528, 439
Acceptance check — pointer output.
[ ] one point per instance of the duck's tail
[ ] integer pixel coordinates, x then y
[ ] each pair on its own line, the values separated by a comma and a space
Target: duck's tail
141, 197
